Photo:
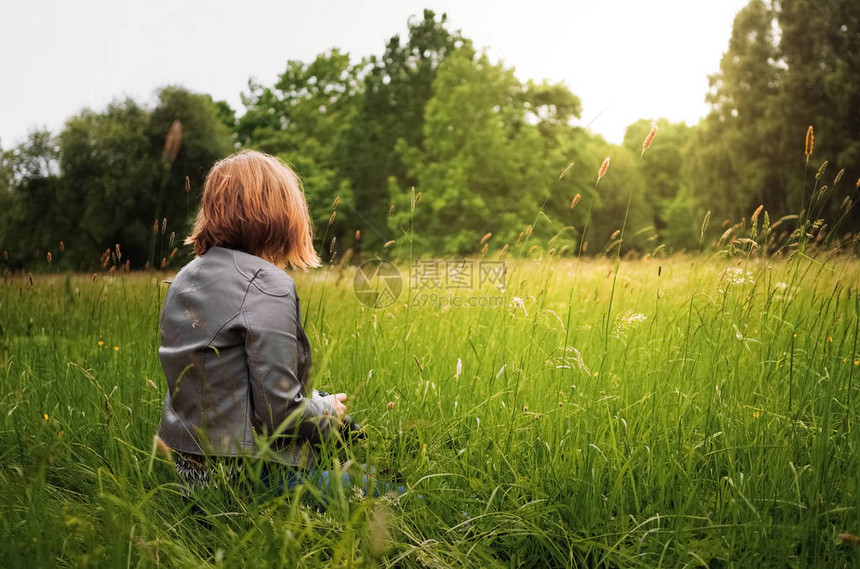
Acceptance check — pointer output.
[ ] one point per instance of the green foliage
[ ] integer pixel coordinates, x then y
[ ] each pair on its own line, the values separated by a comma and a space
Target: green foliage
105, 181
790, 64
302, 118
396, 88
665, 171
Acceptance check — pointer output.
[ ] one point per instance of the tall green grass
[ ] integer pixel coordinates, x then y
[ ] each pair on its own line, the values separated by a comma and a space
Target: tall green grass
716, 424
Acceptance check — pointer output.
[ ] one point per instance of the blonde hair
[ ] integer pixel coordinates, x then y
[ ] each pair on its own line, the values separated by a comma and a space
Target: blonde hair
255, 203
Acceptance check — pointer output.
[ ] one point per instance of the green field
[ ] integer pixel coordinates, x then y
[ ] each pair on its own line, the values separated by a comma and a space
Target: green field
707, 415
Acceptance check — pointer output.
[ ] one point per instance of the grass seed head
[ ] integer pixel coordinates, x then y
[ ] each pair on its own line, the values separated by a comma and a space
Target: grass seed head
756, 213
705, 222
575, 200
486, 238
603, 168
358, 234
565, 171
388, 244
49, 256
378, 532
646, 144
810, 143
331, 218
171, 143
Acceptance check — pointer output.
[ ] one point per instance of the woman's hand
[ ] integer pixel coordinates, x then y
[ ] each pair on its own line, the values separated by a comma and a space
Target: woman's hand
335, 403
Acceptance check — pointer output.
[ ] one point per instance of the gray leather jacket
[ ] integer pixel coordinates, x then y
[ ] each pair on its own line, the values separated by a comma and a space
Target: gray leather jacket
236, 360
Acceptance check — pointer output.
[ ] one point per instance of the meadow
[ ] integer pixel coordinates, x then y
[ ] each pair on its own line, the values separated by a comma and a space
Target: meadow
694, 411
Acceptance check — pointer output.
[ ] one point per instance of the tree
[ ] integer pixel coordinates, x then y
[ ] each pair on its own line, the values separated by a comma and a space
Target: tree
740, 147
790, 64
302, 119
490, 161
665, 174
396, 90
820, 51
114, 177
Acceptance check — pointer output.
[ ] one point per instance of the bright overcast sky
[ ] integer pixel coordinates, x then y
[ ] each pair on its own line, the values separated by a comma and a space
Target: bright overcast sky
626, 59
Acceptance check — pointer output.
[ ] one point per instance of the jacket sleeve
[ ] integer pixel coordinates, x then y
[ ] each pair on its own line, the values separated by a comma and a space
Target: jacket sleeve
280, 402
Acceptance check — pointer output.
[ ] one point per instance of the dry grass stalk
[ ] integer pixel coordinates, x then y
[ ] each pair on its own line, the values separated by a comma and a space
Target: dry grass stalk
756, 213
171, 143
810, 143
705, 222
648, 140
504, 251
331, 218
391, 210
336, 201
603, 168
565, 171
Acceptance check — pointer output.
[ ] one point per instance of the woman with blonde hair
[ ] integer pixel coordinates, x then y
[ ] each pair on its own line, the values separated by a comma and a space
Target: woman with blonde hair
233, 349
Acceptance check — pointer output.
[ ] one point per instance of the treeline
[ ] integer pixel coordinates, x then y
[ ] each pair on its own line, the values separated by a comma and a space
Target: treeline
434, 147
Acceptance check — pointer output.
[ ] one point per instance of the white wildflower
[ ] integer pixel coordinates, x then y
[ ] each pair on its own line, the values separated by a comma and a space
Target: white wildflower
735, 276
626, 321
517, 302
